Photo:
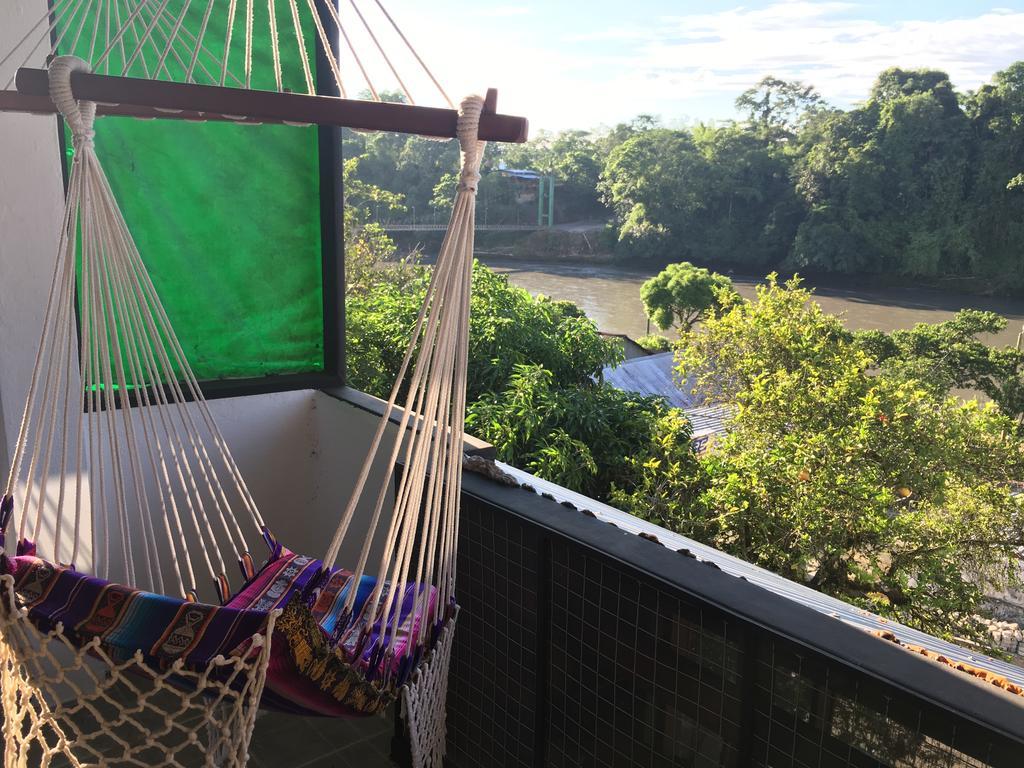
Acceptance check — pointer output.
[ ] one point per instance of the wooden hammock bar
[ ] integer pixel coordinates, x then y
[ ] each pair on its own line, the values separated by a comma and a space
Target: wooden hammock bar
163, 100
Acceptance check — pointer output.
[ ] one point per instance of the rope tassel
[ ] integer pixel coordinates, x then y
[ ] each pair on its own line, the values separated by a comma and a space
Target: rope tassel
142, 466
430, 431
419, 543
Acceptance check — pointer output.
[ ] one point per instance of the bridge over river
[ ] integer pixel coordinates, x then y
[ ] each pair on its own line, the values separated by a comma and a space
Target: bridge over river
433, 226
479, 227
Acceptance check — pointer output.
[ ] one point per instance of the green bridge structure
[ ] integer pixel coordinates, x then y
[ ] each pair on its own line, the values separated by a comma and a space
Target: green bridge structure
545, 208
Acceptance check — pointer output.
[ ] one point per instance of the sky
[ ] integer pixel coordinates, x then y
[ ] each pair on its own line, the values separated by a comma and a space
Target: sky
581, 64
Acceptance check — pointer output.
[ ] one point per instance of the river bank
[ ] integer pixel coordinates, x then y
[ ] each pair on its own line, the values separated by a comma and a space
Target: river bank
587, 244
610, 294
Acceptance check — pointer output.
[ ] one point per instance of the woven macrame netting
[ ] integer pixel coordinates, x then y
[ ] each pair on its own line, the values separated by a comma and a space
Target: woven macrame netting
68, 706
424, 701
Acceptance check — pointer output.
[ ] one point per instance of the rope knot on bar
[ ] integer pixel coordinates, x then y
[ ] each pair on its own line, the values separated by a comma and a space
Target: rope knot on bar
80, 115
468, 130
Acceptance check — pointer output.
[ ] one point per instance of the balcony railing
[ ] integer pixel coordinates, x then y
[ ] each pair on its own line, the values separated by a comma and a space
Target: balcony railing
581, 644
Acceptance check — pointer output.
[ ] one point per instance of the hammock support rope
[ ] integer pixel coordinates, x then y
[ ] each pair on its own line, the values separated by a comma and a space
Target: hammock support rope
148, 493
149, 64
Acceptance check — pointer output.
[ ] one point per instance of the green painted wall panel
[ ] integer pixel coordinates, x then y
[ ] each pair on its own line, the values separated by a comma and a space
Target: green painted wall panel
226, 217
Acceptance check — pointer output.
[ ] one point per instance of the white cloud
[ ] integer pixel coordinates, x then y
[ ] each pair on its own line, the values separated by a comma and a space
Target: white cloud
603, 70
825, 44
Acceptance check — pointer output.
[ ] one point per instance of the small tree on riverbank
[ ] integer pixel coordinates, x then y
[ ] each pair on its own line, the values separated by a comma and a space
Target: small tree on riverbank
681, 294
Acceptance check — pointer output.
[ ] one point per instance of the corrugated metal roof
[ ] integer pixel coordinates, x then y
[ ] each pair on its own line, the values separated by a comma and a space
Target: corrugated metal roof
652, 375
708, 419
765, 579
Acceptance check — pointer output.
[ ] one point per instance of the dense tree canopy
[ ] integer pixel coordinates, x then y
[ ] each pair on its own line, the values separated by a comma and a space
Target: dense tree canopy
508, 328
918, 181
995, 206
681, 294
704, 195
870, 484
886, 182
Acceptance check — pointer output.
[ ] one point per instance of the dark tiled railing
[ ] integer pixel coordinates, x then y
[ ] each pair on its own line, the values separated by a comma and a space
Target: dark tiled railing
580, 645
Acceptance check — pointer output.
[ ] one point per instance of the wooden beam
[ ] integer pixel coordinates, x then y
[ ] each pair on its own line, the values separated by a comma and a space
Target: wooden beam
163, 100
13, 101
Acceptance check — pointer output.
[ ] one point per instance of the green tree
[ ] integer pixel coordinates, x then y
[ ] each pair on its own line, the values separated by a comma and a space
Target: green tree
508, 327
778, 108
651, 183
713, 195
868, 486
367, 245
608, 139
750, 211
995, 208
666, 480
783, 330
884, 184
681, 294
585, 436
948, 355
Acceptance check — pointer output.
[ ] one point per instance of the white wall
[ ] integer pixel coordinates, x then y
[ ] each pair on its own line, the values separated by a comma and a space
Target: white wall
31, 202
31, 206
299, 453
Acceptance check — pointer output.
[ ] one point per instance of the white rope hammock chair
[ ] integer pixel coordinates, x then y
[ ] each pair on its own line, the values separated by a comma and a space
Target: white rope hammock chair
126, 506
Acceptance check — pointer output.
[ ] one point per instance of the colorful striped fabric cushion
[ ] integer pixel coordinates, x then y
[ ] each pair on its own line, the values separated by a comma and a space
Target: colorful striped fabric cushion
309, 672
165, 629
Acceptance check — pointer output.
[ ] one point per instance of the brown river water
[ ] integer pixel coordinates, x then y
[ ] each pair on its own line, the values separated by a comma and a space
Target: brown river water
611, 297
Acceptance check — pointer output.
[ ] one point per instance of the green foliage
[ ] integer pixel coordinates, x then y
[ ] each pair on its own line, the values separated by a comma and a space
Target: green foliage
777, 109
409, 165
667, 479
444, 192
947, 355
647, 182
885, 183
654, 343
681, 294
869, 485
994, 211
508, 327
366, 243
532, 388
783, 330
713, 195
586, 437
